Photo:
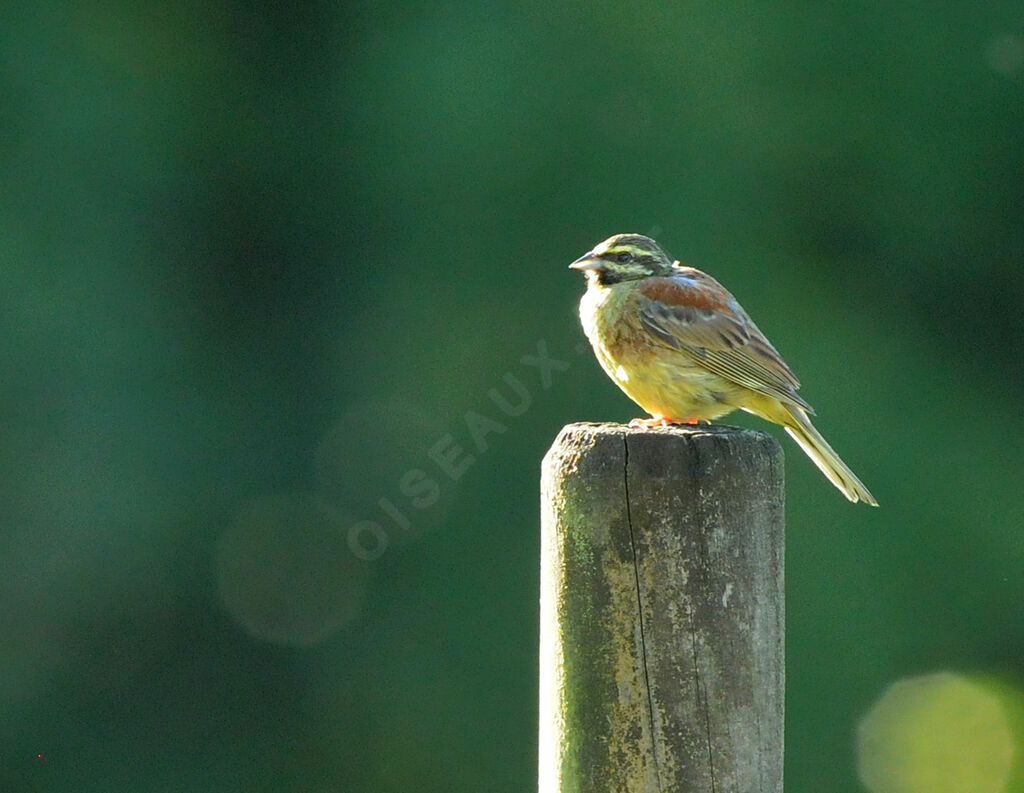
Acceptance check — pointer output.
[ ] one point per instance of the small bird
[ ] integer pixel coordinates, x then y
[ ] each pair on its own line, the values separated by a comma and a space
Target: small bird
683, 349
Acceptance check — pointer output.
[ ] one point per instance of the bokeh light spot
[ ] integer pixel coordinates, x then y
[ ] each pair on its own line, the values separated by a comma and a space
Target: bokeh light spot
942, 733
285, 571
374, 464
1005, 54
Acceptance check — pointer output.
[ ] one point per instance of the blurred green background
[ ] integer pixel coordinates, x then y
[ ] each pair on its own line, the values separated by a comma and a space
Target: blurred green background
258, 261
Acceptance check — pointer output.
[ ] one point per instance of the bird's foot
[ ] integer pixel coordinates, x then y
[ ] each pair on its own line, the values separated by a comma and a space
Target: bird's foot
662, 421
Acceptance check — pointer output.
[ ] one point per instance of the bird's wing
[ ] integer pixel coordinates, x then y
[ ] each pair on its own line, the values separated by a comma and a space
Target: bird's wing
691, 312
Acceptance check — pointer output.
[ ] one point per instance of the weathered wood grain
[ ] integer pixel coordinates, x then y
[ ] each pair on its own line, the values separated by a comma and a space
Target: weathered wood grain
661, 611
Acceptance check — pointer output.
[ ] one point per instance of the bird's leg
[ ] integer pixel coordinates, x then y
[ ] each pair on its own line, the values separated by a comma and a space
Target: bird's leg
662, 421
643, 423
657, 421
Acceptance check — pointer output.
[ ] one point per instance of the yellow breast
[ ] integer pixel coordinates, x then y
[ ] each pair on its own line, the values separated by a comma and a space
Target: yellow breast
662, 380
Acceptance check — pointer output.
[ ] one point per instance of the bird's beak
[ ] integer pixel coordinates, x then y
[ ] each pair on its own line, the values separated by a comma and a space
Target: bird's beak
586, 262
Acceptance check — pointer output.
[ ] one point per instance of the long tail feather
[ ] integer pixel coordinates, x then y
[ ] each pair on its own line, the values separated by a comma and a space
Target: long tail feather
825, 457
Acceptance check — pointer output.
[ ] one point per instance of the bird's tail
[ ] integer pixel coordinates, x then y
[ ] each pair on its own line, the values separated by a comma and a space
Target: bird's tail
816, 447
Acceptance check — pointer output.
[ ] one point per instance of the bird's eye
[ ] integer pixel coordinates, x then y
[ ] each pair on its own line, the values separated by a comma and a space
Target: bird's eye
624, 257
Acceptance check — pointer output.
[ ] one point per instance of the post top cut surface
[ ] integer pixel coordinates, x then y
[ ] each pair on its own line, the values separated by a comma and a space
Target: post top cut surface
665, 450
684, 430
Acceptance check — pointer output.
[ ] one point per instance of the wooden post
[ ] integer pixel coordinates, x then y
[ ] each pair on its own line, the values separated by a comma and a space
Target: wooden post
661, 647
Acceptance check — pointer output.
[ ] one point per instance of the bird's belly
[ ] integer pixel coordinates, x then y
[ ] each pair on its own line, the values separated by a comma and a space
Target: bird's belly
670, 385
663, 381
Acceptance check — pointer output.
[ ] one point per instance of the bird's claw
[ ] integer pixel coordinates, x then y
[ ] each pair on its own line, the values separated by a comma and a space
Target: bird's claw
661, 421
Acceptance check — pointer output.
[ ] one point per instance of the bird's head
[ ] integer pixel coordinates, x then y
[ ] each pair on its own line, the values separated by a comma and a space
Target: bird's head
624, 257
